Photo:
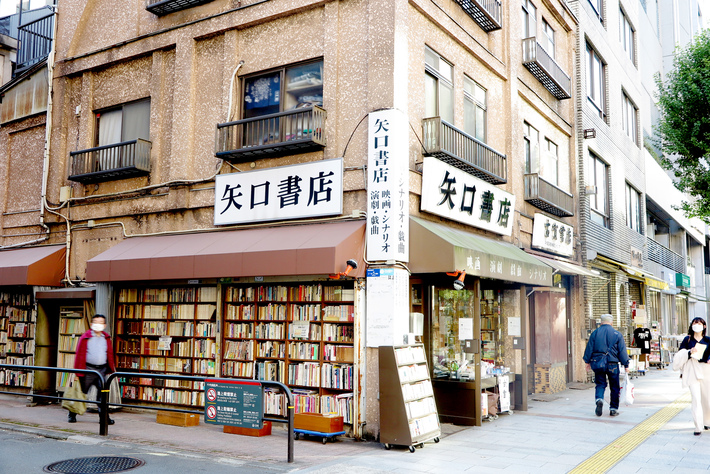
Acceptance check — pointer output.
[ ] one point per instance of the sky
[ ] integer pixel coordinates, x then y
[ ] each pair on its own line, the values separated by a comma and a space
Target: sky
8, 7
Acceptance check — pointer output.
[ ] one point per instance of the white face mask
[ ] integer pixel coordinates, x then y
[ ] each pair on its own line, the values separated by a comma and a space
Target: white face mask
98, 327
697, 327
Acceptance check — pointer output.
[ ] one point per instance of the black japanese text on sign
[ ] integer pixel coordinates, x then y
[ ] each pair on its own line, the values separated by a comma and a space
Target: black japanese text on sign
234, 403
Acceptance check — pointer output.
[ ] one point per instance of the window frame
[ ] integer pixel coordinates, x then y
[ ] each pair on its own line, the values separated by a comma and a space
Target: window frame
282, 72
598, 9
434, 72
548, 36
531, 146
529, 19
627, 36
633, 208
629, 118
595, 167
596, 81
477, 105
548, 149
122, 107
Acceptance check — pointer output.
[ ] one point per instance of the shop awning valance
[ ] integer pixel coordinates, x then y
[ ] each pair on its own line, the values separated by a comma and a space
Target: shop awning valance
568, 268
42, 266
436, 248
78, 293
316, 249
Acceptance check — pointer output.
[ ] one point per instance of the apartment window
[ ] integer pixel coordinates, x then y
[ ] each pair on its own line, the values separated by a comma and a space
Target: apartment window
626, 36
548, 38
531, 138
123, 123
474, 109
597, 6
596, 70
439, 87
529, 19
628, 118
299, 86
633, 208
550, 164
598, 177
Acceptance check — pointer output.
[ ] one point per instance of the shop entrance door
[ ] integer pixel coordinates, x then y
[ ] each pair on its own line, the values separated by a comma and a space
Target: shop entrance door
549, 354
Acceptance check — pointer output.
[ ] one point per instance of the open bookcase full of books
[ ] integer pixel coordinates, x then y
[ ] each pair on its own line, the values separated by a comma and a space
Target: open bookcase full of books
302, 335
17, 336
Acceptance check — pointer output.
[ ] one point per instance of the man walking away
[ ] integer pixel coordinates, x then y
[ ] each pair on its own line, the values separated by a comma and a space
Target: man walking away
94, 351
606, 343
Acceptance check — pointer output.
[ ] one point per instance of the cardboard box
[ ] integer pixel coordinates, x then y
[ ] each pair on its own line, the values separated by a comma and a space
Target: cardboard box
264, 431
178, 419
318, 422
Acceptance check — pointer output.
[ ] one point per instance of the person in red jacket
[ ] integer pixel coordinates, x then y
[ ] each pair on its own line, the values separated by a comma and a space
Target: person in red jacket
94, 352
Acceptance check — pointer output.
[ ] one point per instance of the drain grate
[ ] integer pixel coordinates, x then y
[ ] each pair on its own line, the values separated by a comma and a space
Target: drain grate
95, 465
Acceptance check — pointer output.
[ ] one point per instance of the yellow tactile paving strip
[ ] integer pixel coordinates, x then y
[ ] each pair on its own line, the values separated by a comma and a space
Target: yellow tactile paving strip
615, 451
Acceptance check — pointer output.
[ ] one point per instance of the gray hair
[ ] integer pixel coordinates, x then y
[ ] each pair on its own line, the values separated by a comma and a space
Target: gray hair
606, 318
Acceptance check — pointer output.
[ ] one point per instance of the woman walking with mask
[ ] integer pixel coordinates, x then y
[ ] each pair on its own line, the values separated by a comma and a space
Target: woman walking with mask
692, 360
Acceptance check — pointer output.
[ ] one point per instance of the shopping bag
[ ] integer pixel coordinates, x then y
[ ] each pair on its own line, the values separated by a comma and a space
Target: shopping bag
627, 390
74, 391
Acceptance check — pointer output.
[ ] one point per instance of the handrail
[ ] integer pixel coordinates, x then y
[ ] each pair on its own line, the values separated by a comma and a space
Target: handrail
104, 403
546, 69
108, 158
35, 40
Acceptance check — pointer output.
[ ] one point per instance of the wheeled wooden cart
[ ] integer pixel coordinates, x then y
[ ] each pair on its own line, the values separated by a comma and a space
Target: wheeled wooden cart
320, 434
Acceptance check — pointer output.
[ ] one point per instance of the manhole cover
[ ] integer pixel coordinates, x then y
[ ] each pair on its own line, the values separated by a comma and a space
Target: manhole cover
95, 465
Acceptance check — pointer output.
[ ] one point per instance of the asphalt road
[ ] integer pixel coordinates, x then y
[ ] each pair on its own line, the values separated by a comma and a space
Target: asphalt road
24, 453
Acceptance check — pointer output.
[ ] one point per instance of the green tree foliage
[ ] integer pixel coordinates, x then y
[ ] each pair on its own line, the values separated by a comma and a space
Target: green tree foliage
684, 128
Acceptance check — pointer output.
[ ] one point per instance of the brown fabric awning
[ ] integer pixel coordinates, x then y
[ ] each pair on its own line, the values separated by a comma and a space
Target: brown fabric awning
315, 249
41, 266
436, 248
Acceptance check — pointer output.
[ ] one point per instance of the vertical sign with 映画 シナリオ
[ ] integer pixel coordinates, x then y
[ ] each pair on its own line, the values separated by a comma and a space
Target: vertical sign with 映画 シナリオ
234, 403
388, 186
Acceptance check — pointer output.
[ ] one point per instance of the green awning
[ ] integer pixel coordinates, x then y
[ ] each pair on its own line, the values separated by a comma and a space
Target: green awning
436, 248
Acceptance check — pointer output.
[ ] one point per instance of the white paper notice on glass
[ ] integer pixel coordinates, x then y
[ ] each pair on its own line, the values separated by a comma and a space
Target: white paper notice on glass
514, 327
164, 343
299, 329
465, 328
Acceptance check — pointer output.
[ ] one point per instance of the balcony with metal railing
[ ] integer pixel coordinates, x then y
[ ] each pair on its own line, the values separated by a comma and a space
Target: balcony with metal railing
163, 7
459, 149
665, 256
111, 162
484, 12
545, 69
547, 196
293, 131
34, 41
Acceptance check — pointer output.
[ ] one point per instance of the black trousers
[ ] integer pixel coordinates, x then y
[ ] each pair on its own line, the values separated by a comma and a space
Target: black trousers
92, 379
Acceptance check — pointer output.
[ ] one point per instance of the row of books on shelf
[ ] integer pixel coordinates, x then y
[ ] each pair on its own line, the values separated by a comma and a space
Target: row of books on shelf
339, 313
13, 360
413, 391
161, 382
168, 364
164, 295
20, 299
16, 378
72, 326
413, 372
419, 408
20, 347
69, 343
17, 314
203, 311
244, 350
238, 369
26, 330
66, 359
162, 328
309, 401
422, 426
294, 312
63, 379
163, 395
314, 374
409, 354
288, 293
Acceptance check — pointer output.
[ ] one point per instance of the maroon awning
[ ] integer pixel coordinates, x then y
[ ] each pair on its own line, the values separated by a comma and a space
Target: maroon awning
42, 266
315, 249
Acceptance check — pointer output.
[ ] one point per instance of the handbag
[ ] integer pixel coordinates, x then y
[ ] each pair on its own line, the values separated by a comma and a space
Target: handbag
74, 391
627, 390
599, 361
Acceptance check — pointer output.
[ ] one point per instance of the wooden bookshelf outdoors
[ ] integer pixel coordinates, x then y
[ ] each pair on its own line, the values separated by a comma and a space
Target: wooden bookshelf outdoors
17, 332
166, 330
72, 324
300, 335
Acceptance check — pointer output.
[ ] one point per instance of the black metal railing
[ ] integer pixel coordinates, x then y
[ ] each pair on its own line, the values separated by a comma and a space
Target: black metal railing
34, 41
547, 196
484, 12
273, 134
116, 161
665, 256
104, 404
163, 7
545, 69
459, 149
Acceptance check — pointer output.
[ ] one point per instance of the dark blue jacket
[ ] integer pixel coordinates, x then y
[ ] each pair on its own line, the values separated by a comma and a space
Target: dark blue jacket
605, 334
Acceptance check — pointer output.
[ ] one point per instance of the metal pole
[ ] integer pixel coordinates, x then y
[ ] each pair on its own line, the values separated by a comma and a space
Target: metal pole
290, 431
103, 408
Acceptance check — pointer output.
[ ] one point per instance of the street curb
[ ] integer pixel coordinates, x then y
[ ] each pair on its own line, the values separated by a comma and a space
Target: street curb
36, 431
